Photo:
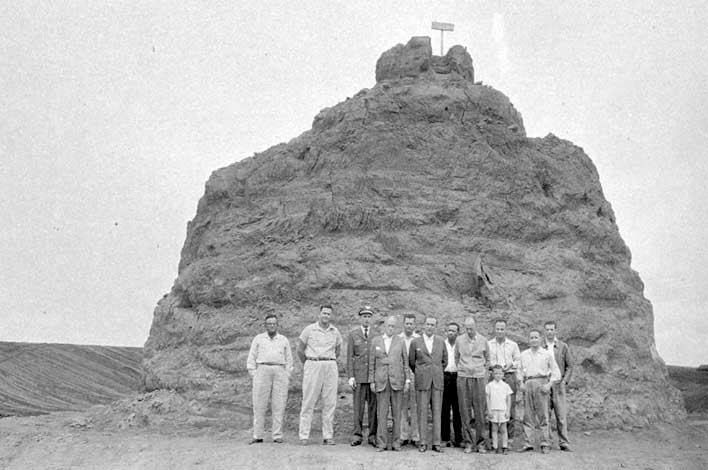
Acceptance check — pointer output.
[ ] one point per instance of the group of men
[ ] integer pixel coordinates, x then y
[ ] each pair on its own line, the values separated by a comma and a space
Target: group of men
407, 376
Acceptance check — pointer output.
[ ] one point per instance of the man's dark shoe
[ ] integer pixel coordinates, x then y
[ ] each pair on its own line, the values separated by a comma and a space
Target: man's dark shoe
356, 442
416, 443
404, 442
372, 441
278, 440
457, 444
255, 441
566, 448
526, 448
505, 451
328, 442
422, 448
544, 449
448, 444
438, 449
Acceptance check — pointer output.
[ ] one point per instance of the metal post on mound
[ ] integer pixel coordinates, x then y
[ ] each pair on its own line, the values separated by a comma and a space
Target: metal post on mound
443, 27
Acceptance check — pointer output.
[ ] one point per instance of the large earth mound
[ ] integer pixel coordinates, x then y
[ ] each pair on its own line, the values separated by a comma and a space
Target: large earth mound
422, 194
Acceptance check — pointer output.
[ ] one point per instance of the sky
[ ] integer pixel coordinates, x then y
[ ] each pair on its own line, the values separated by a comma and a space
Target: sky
114, 114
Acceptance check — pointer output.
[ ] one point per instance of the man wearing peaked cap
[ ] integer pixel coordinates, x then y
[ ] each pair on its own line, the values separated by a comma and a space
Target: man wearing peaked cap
358, 344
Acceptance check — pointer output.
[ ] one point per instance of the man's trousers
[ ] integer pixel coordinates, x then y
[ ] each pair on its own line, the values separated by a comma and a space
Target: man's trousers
560, 410
385, 399
319, 379
409, 415
450, 403
269, 383
472, 396
362, 396
536, 411
429, 400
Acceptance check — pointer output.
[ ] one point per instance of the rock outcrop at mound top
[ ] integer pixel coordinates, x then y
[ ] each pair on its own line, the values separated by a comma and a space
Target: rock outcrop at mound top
422, 194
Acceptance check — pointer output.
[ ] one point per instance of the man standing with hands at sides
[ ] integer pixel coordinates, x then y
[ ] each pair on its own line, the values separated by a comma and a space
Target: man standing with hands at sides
388, 365
318, 348
505, 353
409, 408
427, 358
537, 373
358, 343
564, 361
270, 362
449, 400
472, 359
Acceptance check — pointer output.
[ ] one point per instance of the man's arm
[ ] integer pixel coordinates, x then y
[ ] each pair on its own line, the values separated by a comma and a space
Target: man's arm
350, 359
411, 356
568, 358
301, 350
372, 361
338, 346
555, 371
251, 360
515, 357
444, 356
288, 357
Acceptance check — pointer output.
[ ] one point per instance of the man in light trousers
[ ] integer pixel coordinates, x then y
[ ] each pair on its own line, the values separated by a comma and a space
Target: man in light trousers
318, 348
270, 363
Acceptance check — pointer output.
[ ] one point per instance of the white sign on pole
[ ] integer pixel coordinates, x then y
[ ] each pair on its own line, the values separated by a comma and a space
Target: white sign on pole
443, 27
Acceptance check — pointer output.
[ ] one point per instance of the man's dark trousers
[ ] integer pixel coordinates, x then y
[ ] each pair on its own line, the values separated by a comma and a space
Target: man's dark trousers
450, 403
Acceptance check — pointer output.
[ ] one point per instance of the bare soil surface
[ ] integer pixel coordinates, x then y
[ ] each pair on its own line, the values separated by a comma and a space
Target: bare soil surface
65, 441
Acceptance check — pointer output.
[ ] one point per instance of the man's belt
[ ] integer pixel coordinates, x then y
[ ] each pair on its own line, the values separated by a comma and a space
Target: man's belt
321, 359
271, 364
450, 372
535, 377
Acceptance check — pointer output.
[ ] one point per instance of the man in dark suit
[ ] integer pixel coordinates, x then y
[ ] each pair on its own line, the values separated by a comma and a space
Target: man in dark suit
388, 367
358, 345
427, 358
564, 360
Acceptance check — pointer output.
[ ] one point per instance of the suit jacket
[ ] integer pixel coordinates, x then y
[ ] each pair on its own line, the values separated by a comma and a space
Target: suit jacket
428, 369
561, 352
391, 367
358, 355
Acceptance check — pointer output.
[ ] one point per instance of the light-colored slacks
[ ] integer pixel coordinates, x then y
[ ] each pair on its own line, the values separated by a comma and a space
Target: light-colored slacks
319, 379
536, 412
270, 383
409, 415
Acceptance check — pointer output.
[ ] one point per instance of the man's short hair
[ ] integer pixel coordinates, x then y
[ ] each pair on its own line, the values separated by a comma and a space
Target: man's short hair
535, 330
269, 316
430, 317
409, 315
499, 320
550, 322
322, 307
497, 367
456, 325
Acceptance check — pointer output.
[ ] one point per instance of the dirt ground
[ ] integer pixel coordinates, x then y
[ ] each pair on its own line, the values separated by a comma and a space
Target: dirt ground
63, 441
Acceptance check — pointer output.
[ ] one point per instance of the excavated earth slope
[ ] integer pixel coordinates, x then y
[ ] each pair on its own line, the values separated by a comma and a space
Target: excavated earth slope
422, 194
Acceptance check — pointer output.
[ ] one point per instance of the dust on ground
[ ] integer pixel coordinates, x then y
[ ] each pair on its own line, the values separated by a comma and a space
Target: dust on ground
68, 441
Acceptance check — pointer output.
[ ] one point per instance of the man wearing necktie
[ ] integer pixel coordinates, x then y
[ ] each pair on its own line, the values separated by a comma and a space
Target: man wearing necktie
388, 370
427, 358
358, 344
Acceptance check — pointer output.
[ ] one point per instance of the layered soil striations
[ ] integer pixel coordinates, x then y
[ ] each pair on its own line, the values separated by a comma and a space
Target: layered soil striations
422, 194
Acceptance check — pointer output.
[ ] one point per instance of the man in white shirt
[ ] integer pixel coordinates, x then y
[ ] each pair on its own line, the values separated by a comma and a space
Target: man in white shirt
409, 407
269, 362
537, 372
505, 352
449, 400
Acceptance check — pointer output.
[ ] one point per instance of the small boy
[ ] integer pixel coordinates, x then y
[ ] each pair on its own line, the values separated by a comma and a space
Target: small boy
498, 406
